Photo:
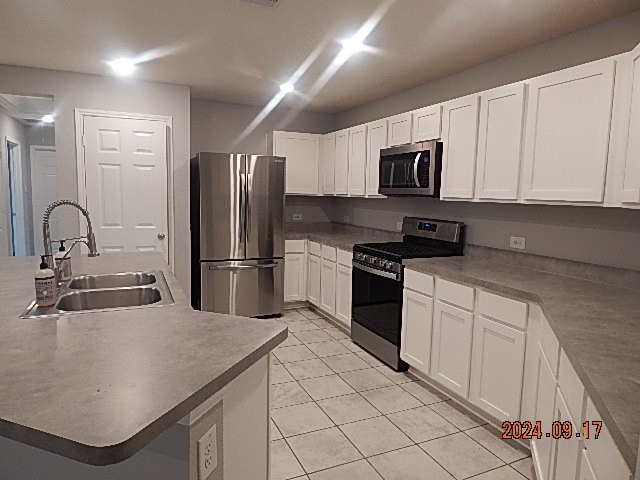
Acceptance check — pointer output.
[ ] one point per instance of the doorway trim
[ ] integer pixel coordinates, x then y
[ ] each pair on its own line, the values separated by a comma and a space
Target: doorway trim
16, 188
81, 113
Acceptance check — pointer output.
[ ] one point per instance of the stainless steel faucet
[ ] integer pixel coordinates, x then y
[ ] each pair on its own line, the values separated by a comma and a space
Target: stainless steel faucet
90, 240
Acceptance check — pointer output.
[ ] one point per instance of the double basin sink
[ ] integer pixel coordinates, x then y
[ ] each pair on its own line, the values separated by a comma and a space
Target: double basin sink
90, 293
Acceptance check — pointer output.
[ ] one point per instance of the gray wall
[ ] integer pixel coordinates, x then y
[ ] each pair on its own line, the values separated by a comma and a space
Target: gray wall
217, 127
605, 236
72, 90
597, 235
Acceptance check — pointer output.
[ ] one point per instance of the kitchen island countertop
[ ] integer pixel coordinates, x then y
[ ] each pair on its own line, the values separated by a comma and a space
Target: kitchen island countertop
99, 386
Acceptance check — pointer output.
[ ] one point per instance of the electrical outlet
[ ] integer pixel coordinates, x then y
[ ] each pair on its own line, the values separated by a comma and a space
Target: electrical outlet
518, 242
399, 226
297, 217
207, 454
346, 219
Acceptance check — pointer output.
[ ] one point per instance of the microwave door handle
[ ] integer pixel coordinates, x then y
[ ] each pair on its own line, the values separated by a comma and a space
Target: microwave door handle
391, 177
415, 169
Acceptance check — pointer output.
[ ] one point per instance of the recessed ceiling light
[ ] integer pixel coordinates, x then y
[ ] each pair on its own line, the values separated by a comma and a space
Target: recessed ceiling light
47, 118
287, 87
122, 66
352, 45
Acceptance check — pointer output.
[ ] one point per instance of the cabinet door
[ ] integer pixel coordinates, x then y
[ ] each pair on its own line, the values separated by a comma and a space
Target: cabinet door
327, 160
545, 395
500, 139
343, 295
451, 347
294, 277
497, 363
460, 140
357, 160
586, 472
328, 287
567, 135
417, 319
376, 141
631, 183
341, 185
426, 123
399, 129
566, 451
313, 279
302, 151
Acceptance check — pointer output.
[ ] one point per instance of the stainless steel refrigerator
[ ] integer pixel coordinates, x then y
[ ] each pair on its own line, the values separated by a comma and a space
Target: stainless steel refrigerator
237, 234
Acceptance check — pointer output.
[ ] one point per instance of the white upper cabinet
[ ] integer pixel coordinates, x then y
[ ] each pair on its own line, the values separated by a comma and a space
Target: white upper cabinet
500, 138
399, 129
426, 123
567, 137
302, 151
341, 184
328, 162
460, 140
357, 160
631, 183
376, 141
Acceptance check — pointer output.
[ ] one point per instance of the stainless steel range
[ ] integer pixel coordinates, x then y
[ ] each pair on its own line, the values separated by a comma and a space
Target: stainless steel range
378, 271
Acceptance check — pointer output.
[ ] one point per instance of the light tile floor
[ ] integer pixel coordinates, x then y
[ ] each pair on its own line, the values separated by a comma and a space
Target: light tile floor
338, 413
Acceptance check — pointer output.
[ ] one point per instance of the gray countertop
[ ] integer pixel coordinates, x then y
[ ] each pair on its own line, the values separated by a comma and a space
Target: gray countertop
97, 387
598, 326
339, 235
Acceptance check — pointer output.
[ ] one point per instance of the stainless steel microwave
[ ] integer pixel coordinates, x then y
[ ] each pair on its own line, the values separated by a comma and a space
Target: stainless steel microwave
411, 170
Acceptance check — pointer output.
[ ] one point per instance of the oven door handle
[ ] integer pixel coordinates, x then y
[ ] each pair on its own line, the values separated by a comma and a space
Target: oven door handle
415, 169
393, 276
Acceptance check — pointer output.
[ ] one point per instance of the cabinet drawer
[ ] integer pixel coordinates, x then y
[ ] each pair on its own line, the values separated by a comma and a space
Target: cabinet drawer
329, 253
571, 388
420, 282
506, 310
294, 246
345, 258
315, 248
454, 293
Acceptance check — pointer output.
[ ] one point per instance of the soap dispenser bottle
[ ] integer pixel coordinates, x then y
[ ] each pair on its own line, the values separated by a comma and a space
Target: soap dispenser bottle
63, 264
46, 287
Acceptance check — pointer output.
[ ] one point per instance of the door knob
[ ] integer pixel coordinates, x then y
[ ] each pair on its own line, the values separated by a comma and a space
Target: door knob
161, 236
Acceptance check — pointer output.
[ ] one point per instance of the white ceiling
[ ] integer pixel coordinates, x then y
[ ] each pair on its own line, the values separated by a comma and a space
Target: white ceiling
27, 109
233, 51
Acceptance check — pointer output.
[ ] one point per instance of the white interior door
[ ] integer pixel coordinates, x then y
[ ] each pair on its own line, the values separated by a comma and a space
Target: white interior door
43, 188
125, 163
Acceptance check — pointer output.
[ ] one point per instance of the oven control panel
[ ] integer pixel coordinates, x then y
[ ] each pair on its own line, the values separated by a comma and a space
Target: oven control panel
377, 262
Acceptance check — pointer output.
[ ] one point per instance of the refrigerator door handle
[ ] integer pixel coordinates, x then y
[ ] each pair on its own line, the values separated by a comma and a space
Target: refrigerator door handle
248, 186
242, 267
242, 200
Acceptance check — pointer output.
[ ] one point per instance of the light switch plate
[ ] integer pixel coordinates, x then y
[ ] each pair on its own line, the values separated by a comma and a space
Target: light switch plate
207, 453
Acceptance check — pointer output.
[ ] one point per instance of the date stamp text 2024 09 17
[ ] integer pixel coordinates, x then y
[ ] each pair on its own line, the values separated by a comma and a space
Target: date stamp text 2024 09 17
527, 430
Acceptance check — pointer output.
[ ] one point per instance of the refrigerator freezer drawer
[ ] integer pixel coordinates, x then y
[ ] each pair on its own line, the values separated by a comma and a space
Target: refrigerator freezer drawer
248, 288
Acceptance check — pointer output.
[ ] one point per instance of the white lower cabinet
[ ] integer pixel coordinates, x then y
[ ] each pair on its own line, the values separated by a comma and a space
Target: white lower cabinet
294, 277
566, 452
497, 362
545, 396
343, 295
313, 279
328, 286
451, 347
417, 320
